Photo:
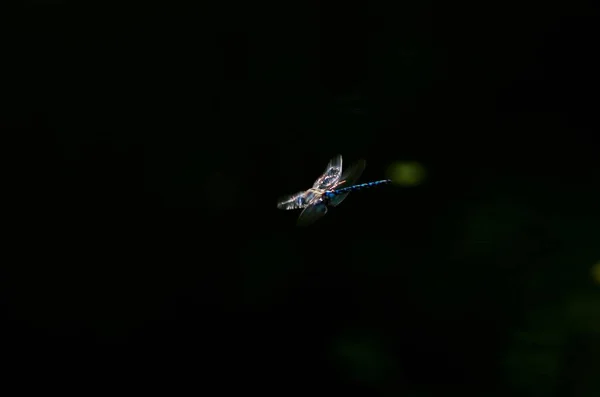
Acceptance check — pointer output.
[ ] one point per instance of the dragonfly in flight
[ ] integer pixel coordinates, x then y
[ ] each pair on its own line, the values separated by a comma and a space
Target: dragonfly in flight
329, 190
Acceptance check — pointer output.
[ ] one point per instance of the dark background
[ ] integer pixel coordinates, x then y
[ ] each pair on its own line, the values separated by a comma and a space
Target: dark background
145, 147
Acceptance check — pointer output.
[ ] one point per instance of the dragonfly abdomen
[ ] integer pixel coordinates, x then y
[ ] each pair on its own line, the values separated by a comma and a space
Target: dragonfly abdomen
354, 188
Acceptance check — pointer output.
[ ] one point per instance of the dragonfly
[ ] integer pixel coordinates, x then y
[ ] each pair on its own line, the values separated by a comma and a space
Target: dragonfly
329, 190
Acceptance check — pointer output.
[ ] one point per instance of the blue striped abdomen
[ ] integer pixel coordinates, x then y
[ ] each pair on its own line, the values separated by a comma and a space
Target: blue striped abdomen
354, 188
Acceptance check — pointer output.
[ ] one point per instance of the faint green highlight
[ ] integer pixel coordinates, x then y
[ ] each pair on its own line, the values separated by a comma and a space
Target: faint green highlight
406, 173
533, 369
596, 272
582, 313
362, 358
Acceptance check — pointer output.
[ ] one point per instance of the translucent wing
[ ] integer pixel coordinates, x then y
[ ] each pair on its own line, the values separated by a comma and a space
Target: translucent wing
293, 201
299, 200
312, 213
349, 178
332, 174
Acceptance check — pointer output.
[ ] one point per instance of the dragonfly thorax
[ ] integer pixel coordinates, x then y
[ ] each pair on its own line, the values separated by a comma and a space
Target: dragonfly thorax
317, 191
314, 195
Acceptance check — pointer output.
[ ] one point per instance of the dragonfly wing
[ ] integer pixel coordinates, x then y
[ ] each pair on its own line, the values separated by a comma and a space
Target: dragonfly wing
311, 214
293, 201
332, 174
349, 178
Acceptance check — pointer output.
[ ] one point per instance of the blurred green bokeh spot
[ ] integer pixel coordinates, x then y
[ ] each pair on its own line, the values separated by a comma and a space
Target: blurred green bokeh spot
406, 173
596, 272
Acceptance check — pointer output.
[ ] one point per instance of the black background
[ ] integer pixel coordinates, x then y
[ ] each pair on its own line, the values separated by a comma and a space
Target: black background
146, 145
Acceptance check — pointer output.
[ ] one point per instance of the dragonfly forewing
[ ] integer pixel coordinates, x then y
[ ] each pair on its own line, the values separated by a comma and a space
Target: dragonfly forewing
300, 199
293, 201
332, 174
